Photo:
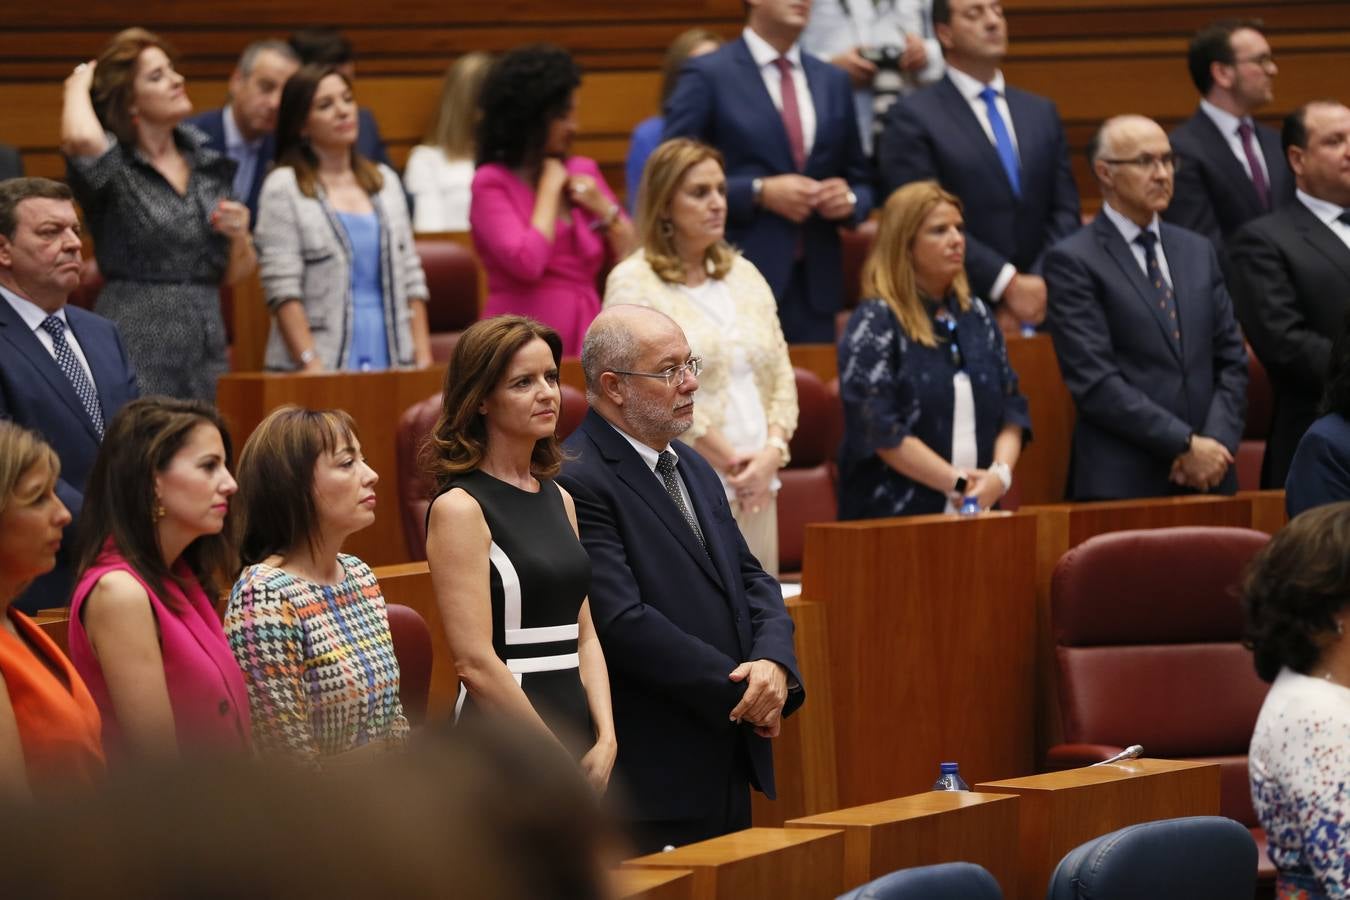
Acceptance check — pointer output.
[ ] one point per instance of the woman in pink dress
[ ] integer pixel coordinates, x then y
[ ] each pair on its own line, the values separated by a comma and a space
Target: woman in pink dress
544, 223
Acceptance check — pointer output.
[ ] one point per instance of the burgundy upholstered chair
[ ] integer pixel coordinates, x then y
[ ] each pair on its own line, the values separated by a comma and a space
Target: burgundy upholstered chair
453, 291
1260, 406
809, 485
412, 647
415, 488
1148, 629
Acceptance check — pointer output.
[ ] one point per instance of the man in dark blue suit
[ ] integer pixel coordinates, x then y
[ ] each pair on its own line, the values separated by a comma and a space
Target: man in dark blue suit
1233, 169
1145, 334
698, 642
245, 128
63, 371
1001, 150
794, 161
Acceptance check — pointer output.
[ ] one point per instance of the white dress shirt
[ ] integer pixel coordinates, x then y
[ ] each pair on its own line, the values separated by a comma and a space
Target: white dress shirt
765, 56
1327, 213
1227, 123
650, 457
33, 316
1129, 231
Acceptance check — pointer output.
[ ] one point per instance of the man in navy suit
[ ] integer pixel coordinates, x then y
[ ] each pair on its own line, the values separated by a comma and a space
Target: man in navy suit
1144, 330
245, 128
1232, 169
1001, 150
698, 642
794, 161
66, 391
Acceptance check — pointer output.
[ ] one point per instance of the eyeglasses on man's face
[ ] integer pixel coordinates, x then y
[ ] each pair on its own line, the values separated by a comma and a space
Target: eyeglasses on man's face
1148, 161
1264, 61
675, 375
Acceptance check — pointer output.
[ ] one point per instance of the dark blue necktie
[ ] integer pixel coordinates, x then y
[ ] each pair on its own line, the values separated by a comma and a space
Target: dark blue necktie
1003, 142
1162, 291
74, 372
665, 467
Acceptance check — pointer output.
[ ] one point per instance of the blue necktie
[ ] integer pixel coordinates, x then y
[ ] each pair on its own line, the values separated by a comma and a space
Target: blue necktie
1007, 153
1162, 291
74, 372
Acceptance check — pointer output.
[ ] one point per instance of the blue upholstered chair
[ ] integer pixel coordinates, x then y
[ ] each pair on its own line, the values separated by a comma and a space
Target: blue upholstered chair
947, 881
1196, 858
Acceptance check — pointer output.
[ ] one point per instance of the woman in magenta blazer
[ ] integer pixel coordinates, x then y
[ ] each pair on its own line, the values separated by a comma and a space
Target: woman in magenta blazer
144, 634
544, 223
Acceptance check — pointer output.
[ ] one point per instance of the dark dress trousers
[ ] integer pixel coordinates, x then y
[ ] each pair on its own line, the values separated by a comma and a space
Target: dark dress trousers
674, 621
721, 99
1138, 397
1291, 286
933, 134
1214, 196
36, 394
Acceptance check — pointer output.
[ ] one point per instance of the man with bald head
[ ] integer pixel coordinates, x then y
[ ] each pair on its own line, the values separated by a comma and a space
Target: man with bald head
696, 637
1291, 276
1144, 330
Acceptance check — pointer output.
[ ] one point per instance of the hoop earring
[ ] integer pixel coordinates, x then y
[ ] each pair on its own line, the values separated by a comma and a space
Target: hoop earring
667, 229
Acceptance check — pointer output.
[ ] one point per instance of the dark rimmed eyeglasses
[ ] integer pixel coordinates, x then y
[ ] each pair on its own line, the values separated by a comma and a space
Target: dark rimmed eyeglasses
675, 375
953, 347
1147, 161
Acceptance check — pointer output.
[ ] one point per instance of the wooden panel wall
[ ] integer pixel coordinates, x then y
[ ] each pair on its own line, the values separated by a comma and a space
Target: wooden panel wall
1094, 57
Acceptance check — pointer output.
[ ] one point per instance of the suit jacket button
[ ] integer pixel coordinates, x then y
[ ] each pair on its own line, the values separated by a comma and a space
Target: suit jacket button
224, 707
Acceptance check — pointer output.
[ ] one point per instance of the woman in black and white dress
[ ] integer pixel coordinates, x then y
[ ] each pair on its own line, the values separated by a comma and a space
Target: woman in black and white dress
510, 574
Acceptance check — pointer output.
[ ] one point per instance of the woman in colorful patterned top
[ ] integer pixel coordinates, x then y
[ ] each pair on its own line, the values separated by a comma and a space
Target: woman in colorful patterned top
153, 535
306, 621
1297, 599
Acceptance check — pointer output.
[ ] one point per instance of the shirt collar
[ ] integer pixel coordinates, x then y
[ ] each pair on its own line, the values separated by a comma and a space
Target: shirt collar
970, 86
33, 315
1325, 211
234, 138
763, 52
1127, 227
649, 456
1226, 122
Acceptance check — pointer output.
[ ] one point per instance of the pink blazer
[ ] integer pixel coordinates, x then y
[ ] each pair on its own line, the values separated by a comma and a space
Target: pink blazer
206, 688
552, 281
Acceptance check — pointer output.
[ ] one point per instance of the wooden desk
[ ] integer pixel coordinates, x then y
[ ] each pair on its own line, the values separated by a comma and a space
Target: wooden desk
252, 321
821, 359
1060, 810
409, 584
1063, 526
926, 829
375, 400
932, 647
1268, 510
1043, 469
654, 884
777, 863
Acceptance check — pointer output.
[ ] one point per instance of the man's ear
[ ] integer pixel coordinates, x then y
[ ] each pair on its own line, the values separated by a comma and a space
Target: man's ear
1223, 74
944, 35
1295, 155
6, 252
609, 388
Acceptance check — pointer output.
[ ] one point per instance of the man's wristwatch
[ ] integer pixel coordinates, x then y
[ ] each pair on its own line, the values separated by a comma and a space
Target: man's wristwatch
756, 190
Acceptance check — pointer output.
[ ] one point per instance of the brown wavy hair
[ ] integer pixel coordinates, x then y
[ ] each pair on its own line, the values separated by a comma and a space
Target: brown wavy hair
458, 443
297, 98
119, 500
114, 84
661, 178
888, 272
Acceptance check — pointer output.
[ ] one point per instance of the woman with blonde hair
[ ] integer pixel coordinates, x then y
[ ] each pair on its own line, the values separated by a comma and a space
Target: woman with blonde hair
508, 568
49, 724
747, 400
306, 621
932, 412
439, 173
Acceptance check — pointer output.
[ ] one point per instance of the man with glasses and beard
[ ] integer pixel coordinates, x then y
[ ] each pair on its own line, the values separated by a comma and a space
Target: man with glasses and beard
695, 633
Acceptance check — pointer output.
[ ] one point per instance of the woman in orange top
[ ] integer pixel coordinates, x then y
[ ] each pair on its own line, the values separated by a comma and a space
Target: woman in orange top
49, 724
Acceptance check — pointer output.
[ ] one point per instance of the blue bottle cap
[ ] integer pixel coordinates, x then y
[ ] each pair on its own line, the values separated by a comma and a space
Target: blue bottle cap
948, 768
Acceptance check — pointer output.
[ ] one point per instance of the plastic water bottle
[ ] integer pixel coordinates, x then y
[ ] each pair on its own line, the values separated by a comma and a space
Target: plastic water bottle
950, 779
970, 506
1028, 330
363, 364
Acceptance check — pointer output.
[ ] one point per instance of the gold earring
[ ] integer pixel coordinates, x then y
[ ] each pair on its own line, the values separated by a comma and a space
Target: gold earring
159, 511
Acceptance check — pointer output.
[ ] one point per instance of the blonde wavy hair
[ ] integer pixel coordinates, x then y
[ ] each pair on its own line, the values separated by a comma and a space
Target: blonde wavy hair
662, 177
888, 272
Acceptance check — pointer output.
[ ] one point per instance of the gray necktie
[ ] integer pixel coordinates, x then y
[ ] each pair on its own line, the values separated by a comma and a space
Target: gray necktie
665, 467
74, 372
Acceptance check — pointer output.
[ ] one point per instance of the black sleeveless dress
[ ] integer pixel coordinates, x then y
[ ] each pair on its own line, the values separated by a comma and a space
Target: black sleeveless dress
540, 575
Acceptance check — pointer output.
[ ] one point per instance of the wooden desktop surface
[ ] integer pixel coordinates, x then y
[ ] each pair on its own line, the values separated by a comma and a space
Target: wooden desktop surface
777, 863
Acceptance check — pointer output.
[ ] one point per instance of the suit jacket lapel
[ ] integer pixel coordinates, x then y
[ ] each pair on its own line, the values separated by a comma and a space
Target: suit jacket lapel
972, 131
1281, 179
756, 94
14, 330
1219, 150
1114, 244
820, 100
633, 471
1322, 238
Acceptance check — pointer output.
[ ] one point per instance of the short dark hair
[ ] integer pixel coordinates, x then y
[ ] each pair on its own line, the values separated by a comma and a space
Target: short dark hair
321, 45
525, 91
276, 511
1294, 590
942, 12
1294, 131
1211, 44
14, 191
119, 499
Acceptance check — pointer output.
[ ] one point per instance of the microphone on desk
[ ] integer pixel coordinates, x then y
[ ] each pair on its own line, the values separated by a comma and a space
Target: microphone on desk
1134, 751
